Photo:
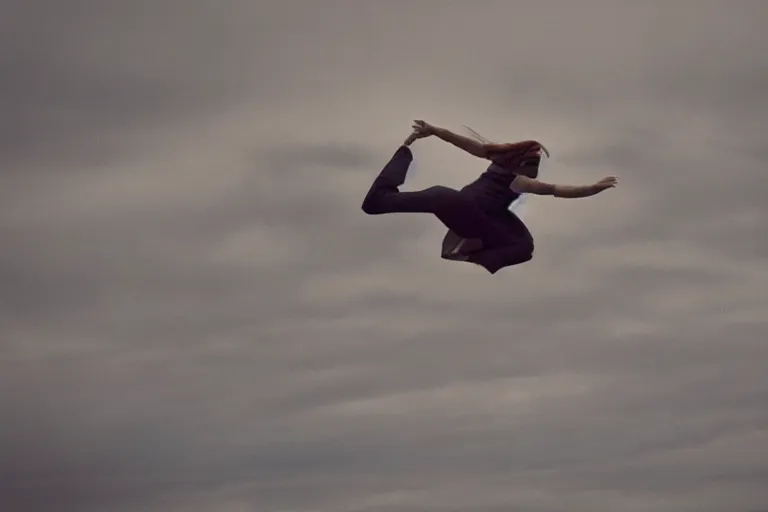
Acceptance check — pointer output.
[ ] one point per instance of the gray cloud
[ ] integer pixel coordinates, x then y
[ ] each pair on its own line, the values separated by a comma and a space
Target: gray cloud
196, 314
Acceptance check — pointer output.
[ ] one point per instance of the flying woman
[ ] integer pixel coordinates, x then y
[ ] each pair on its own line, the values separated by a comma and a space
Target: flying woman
481, 228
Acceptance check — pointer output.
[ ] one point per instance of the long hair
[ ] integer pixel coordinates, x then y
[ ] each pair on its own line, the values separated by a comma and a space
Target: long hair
477, 135
512, 154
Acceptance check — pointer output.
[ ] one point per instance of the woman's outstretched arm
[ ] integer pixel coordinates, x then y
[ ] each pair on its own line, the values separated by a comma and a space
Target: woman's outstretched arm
526, 185
471, 146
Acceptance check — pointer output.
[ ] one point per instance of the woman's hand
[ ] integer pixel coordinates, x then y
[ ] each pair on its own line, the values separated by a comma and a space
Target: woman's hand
606, 183
423, 129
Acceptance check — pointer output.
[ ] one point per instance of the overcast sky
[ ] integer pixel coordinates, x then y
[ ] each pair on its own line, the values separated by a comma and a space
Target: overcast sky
197, 316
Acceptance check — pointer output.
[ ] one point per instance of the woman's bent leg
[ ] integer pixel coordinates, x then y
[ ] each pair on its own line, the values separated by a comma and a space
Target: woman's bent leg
494, 260
504, 245
384, 196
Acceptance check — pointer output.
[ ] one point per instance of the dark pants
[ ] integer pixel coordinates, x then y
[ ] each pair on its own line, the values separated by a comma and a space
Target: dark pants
504, 238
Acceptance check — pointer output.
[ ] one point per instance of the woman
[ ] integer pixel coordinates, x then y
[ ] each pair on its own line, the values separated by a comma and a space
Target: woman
481, 228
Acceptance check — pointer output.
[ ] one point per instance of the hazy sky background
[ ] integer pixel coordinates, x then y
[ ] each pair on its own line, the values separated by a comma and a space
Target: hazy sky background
197, 316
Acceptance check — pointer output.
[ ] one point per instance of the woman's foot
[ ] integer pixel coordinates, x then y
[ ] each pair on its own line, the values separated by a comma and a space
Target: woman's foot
464, 248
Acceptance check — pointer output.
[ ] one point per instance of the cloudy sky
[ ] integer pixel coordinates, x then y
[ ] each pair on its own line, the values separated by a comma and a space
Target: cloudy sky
197, 316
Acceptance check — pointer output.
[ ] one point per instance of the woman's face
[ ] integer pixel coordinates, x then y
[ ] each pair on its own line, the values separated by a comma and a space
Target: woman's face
530, 171
530, 167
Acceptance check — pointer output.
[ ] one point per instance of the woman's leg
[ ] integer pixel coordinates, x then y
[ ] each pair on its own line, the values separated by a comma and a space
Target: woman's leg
457, 248
384, 196
503, 246
493, 260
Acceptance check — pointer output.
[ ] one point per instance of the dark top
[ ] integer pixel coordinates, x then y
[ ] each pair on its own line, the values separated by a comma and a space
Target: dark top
491, 188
